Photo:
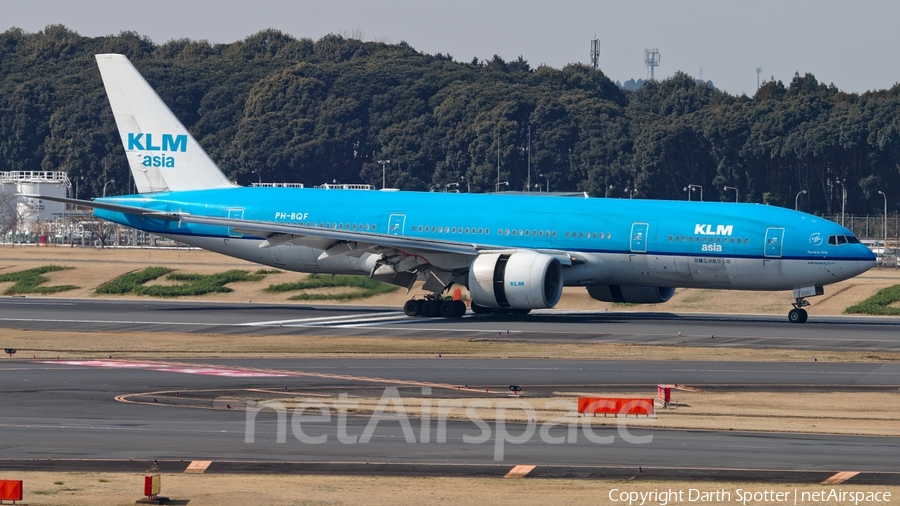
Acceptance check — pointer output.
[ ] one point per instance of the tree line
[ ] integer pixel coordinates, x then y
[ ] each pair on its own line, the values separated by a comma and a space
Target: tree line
277, 108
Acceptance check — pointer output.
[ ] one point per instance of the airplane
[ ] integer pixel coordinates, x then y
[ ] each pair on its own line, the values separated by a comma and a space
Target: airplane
513, 252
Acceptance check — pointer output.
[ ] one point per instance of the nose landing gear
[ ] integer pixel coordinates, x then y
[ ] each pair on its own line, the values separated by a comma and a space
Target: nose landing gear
798, 314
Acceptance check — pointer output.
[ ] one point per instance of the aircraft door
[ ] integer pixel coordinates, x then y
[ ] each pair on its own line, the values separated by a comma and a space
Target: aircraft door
235, 213
774, 242
639, 237
396, 223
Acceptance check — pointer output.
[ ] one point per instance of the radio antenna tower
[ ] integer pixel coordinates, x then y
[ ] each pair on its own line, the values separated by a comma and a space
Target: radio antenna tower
651, 60
758, 72
595, 52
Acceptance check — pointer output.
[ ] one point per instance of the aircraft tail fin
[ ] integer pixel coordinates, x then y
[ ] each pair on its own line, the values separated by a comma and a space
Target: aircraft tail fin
162, 154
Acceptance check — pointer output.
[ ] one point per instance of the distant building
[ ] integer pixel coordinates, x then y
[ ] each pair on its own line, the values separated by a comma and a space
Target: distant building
30, 212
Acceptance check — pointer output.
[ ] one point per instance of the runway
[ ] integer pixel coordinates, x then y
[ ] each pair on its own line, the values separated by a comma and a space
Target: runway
69, 412
110, 415
754, 331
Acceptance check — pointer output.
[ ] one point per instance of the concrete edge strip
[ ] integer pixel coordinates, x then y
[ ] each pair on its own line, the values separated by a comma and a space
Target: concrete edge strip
840, 477
197, 467
520, 471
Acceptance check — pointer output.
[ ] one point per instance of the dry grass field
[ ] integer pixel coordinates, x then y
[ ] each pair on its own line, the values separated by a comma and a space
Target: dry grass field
88, 489
93, 267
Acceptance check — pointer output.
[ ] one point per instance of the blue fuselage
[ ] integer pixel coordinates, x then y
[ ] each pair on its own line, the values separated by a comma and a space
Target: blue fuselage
641, 242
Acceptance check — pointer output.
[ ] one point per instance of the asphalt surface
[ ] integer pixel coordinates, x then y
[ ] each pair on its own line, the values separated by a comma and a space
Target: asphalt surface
81, 416
70, 413
754, 331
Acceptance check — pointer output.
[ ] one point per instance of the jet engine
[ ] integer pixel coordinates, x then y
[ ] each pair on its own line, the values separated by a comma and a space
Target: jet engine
520, 280
632, 294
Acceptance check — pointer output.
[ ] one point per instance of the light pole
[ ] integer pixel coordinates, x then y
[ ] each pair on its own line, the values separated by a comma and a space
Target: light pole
468, 188
608, 188
448, 185
383, 164
501, 184
113, 181
630, 192
547, 179
258, 175
797, 199
690, 188
885, 218
843, 199
736, 193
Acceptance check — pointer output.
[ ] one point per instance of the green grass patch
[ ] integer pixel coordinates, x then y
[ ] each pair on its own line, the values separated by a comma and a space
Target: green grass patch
879, 304
30, 281
198, 284
131, 281
268, 271
368, 287
191, 284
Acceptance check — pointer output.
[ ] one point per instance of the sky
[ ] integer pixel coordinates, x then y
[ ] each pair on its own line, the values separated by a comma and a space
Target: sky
852, 44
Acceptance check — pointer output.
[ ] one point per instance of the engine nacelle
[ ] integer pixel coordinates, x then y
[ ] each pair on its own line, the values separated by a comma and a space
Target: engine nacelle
632, 294
521, 280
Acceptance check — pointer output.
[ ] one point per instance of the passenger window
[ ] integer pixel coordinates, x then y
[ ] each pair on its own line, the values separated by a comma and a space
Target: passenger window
554, 233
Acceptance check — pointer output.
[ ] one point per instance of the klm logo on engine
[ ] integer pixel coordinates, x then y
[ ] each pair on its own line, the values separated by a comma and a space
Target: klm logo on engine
705, 229
516, 283
167, 144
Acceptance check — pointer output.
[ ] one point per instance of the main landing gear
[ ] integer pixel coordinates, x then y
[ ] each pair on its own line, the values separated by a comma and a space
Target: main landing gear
432, 306
798, 314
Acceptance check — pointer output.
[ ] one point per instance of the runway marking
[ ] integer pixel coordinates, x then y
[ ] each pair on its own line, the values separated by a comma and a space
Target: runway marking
324, 320
197, 467
840, 477
163, 367
519, 471
253, 372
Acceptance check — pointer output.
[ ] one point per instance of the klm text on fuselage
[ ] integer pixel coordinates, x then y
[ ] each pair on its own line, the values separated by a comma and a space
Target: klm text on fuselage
169, 143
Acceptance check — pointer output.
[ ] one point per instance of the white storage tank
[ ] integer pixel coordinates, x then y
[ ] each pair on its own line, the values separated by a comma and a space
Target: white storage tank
33, 210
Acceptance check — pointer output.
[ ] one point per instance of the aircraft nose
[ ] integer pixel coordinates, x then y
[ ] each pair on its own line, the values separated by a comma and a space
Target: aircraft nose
864, 265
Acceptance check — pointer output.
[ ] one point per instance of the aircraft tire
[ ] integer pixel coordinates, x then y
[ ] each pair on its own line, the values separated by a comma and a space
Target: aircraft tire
460, 307
431, 308
411, 308
797, 316
448, 309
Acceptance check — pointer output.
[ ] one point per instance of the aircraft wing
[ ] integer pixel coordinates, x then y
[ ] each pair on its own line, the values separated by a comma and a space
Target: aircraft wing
278, 233
331, 241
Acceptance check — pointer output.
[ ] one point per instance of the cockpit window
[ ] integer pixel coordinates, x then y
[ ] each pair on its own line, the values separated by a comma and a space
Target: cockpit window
837, 240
